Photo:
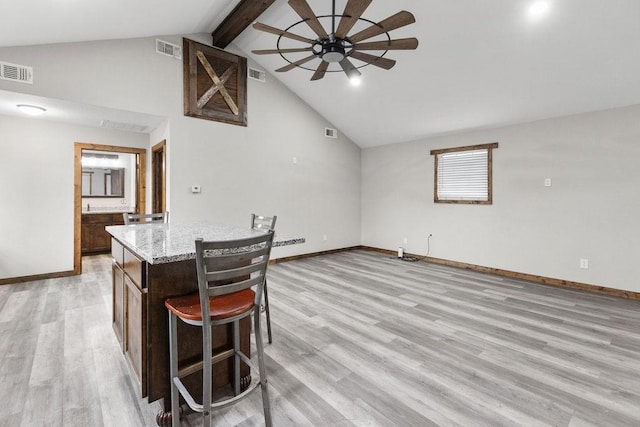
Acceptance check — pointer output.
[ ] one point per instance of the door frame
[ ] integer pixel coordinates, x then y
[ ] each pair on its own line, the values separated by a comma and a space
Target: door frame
159, 177
141, 187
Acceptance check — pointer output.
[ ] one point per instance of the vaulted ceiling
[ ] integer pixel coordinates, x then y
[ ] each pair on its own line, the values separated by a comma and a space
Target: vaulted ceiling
479, 64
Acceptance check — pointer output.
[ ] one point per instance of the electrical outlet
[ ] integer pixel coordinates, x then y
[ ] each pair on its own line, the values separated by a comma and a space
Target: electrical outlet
584, 263
405, 241
324, 237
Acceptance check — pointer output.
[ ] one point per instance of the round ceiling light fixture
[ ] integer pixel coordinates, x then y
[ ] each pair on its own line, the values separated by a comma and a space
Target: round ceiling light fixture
32, 110
538, 8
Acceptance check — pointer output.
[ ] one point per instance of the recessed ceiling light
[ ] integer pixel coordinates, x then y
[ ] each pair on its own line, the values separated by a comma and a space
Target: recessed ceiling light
538, 8
355, 80
32, 110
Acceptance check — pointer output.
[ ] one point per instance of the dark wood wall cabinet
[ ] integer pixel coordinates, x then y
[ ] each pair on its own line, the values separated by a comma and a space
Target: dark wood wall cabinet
95, 239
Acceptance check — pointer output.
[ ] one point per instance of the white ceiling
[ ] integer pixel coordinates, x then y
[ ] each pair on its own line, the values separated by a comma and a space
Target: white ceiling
480, 63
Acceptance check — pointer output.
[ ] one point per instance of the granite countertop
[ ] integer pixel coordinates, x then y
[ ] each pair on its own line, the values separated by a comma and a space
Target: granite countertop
106, 209
104, 212
159, 243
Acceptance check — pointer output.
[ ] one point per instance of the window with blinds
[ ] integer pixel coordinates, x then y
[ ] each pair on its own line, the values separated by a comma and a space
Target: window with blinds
463, 174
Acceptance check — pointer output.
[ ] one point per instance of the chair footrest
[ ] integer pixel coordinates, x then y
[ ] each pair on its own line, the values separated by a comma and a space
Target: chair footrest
197, 366
198, 407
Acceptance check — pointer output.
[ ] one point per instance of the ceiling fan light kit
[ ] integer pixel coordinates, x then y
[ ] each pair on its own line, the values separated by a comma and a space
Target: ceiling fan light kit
337, 46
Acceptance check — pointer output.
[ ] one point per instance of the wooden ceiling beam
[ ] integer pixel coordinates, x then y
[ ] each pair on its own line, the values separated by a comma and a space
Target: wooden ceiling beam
243, 15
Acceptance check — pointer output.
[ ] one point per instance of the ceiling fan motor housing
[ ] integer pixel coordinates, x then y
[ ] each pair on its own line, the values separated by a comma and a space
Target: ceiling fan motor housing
332, 51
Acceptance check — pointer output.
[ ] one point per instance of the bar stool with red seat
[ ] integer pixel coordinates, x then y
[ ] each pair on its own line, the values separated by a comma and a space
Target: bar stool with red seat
228, 273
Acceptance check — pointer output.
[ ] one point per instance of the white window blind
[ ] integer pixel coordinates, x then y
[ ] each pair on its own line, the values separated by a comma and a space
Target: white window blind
463, 175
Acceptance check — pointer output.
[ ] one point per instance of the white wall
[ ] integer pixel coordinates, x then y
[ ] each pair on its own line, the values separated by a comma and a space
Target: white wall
591, 210
243, 170
240, 169
36, 191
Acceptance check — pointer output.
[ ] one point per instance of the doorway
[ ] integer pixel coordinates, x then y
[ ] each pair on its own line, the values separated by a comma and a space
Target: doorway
140, 199
159, 177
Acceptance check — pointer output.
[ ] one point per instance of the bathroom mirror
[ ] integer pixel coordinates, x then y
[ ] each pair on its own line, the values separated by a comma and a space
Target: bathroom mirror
103, 182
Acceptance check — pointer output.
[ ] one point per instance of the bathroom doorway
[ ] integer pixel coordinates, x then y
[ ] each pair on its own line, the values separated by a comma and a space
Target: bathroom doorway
140, 187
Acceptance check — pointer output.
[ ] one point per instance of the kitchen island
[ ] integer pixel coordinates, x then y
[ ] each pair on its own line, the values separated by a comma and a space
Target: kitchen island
153, 262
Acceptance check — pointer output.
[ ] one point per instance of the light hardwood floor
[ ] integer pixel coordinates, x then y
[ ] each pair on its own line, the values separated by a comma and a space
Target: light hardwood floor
359, 339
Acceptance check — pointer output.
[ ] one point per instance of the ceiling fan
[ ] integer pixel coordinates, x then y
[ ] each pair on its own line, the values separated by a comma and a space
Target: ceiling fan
338, 46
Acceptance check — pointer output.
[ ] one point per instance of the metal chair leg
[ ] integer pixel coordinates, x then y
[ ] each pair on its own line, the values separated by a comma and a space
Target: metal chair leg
173, 368
262, 371
266, 309
206, 373
236, 357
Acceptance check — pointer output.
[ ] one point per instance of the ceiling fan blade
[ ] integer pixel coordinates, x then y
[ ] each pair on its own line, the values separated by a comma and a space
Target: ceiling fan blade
303, 9
349, 69
320, 71
297, 63
273, 30
399, 44
352, 12
398, 20
271, 51
378, 61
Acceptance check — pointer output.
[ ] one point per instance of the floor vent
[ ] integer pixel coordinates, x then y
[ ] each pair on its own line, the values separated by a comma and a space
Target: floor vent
330, 133
16, 73
129, 127
258, 75
169, 49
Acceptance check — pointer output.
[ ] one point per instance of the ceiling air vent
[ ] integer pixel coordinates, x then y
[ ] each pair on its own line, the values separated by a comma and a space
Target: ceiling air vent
129, 127
169, 49
330, 133
16, 73
258, 75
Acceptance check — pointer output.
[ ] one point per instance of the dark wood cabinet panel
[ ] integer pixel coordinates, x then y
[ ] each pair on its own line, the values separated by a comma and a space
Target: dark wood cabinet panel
133, 268
94, 238
130, 311
118, 302
136, 339
117, 253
